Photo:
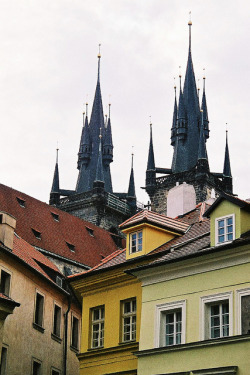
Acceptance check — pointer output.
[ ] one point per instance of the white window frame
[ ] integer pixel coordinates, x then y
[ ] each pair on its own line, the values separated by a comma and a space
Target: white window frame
137, 244
239, 294
217, 229
160, 312
129, 316
98, 322
205, 302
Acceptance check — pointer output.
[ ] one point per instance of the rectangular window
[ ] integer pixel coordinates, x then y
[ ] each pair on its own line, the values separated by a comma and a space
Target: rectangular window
55, 372
97, 336
173, 323
5, 283
219, 320
74, 332
57, 321
135, 242
38, 319
170, 324
129, 320
3, 364
216, 316
36, 368
225, 231
243, 311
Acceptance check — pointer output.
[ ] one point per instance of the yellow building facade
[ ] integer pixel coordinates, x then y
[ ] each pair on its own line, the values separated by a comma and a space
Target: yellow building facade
111, 298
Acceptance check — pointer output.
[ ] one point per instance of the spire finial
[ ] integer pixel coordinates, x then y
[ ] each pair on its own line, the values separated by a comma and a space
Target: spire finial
109, 109
57, 149
174, 87
180, 75
132, 157
99, 58
190, 24
86, 109
204, 78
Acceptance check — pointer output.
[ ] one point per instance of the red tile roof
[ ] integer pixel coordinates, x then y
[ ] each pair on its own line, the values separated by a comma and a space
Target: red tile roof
24, 251
55, 235
155, 218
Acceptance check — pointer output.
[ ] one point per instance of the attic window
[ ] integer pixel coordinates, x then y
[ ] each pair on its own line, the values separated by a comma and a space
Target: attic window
55, 216
21, 202
71, 247
90, 231
37, 234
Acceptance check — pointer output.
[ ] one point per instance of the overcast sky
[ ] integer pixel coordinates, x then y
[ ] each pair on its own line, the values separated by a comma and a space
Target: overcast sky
48, 66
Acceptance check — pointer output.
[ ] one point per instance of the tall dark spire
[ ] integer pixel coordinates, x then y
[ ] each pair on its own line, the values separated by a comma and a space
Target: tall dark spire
227, 166
188, 121
88, 163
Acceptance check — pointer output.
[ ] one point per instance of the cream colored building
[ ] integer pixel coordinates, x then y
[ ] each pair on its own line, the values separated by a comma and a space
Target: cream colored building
41, 336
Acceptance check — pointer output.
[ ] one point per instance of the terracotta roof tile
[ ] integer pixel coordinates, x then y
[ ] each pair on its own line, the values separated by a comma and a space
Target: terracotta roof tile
56, 233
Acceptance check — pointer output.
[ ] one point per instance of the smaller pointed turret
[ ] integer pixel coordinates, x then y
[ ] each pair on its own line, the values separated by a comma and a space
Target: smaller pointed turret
227, 166
174, 124
181, 116
150, 172
227, 175
131, 197
85, 143
131, 186
202, 163
55, 189
108, 143
205, 113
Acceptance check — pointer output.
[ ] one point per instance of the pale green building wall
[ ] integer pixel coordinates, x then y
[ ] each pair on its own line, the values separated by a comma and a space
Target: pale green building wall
191, 288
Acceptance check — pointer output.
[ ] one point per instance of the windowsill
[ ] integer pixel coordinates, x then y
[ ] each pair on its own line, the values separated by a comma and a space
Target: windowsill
123, 343
38, 327
95, 349
193, 345
74, 349
56, 338
223, 243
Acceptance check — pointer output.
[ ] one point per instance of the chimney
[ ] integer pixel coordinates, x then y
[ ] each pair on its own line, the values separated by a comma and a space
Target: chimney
181, 199
7, 228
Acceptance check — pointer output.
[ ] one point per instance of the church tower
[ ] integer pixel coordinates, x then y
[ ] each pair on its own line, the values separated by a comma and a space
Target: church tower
189, 134
93, 198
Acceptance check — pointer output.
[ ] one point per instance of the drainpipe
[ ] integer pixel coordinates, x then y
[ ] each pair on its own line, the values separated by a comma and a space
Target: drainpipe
65, 349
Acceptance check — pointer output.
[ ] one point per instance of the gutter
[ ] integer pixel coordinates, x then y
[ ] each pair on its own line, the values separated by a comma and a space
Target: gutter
65, 348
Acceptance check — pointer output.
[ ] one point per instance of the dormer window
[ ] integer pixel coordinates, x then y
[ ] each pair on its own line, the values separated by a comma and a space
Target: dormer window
135, 242
37, 234
55, 216
90, 231
71, 246
225, 229
21, 202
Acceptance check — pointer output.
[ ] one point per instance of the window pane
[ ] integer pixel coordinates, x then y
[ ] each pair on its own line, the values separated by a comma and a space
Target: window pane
230, 220
245, 314
221, 223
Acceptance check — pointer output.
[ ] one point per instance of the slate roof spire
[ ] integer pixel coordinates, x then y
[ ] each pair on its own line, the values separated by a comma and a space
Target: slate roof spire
85, 142
55, 189
88, 163
227, 166
188, 120
202, 163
